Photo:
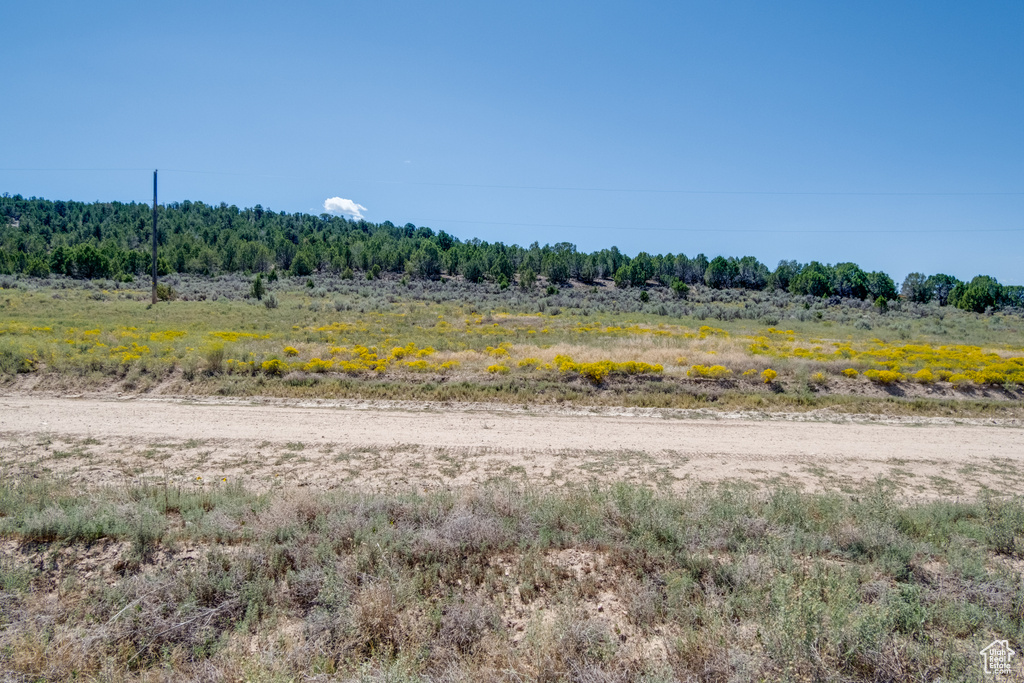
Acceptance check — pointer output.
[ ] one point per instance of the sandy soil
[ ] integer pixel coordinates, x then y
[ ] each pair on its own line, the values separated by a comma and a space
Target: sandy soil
405, 445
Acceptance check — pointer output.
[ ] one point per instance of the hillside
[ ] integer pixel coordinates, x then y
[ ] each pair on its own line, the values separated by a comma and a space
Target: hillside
111, 240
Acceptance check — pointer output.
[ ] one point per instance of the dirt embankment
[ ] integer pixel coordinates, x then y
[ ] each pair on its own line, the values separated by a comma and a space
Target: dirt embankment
420, 445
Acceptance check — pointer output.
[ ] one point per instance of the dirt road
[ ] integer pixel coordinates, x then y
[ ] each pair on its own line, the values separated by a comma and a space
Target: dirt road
426, 446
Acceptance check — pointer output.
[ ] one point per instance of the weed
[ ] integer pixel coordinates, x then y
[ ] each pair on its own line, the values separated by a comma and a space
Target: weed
553, 586
350, 348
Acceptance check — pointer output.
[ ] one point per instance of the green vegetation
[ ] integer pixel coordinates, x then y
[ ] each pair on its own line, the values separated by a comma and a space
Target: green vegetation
108, 240
214, 581
325, 336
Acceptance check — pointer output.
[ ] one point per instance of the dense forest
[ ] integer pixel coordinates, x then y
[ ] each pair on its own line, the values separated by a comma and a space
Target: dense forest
111, 240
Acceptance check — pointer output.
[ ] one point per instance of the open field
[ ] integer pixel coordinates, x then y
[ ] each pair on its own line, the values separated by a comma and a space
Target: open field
456, 341
390, 482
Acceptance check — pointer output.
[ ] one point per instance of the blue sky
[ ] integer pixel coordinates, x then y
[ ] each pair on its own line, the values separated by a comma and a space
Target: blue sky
889, 134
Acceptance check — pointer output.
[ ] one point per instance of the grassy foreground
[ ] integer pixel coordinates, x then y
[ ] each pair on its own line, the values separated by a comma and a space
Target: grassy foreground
214, 582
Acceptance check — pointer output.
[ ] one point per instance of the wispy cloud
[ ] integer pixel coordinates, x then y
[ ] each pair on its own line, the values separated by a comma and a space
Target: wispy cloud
347, 207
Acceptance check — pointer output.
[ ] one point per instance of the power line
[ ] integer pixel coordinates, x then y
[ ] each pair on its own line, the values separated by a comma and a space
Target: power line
710, 192
231, 173
163, 170
635, 190
555, 188
769, 231
90, 170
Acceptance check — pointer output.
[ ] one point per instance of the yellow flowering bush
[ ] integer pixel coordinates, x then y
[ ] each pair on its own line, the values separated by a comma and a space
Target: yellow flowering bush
410, 350
594, 372
991, 376
706, 331
291, 351
597, 371
849, 372
126, 355
234, 336
978, 365
632, 367
350, 367
708, 371
884, 376
166, 335
769, 375
273, 367
317, 365
924, 376
239, 367
498, 369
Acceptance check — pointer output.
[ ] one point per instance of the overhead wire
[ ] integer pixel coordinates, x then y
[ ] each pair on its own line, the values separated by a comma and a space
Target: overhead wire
620, 190
559, 188
723, 230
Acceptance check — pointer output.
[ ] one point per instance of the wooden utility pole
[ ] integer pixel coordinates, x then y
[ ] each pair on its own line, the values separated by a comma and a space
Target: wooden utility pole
154, 237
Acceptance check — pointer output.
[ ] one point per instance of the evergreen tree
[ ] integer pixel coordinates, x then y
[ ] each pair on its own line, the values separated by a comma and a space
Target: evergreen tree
257, 287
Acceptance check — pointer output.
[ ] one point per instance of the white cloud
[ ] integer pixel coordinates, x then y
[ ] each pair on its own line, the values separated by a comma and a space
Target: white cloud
344, 206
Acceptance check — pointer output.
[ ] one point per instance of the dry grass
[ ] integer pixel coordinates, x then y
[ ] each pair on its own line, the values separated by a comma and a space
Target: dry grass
614, 584
59, 336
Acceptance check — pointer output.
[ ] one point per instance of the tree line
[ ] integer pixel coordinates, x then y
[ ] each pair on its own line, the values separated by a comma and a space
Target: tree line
111, 240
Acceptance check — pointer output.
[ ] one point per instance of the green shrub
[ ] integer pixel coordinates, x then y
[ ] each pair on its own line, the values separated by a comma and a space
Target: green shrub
258, 290
165, 292
14, 360
527, 278
215, 359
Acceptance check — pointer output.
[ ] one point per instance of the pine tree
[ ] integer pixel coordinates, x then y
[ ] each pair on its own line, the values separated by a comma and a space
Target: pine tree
257, 287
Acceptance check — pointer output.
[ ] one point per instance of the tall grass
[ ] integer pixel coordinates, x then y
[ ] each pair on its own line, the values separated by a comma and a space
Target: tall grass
615, 583
72, 334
